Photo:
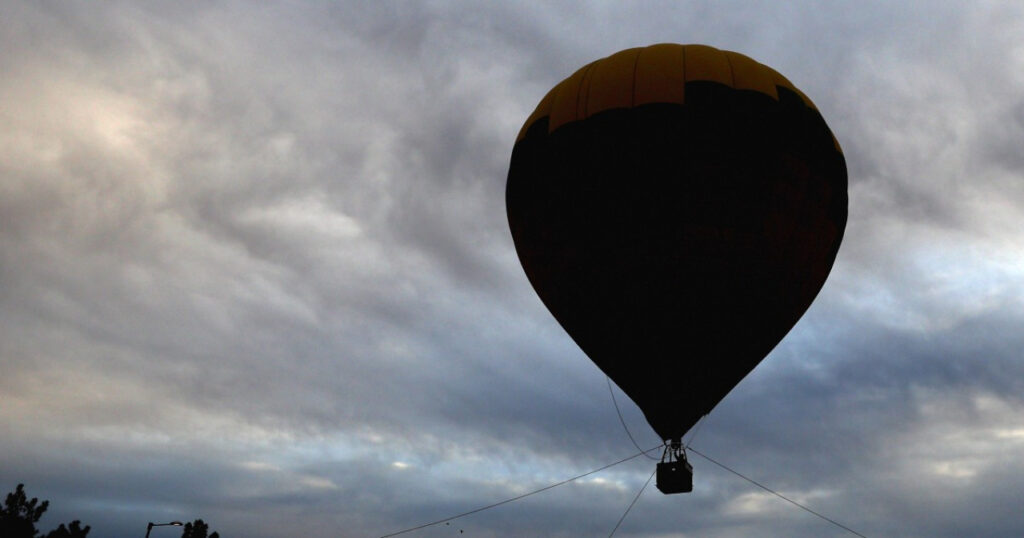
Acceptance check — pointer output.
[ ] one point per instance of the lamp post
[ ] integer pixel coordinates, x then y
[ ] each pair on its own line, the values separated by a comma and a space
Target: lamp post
151, 525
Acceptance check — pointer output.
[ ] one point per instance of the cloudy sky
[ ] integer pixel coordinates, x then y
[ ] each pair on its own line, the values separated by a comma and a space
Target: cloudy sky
255, 269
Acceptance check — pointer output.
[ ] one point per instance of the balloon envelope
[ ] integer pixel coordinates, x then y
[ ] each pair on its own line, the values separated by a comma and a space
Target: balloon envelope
677, 209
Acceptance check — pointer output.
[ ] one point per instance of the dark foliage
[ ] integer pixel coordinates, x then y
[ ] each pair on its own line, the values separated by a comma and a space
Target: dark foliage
19, 515
72, 530
197, 529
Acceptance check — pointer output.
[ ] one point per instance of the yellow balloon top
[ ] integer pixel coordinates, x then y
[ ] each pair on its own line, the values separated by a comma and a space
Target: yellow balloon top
654, 74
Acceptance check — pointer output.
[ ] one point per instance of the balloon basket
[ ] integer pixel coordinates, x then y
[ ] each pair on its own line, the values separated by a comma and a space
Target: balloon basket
674, 473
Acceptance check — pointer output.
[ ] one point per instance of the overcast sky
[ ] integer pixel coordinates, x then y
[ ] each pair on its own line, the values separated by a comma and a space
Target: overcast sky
255, 268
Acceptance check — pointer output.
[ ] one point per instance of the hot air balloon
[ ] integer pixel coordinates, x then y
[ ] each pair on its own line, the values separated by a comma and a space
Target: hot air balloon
677, 208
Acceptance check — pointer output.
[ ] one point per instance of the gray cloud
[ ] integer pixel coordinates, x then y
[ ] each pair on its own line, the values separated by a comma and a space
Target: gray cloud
254, 268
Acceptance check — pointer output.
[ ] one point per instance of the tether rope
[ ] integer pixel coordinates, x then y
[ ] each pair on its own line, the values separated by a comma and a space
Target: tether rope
689, 447
516, 498
635, 499
777, 494
623, 421
695, 430
641, 452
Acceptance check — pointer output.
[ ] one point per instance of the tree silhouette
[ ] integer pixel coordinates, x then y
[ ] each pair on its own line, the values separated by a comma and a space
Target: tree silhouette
73, 530
19, 516
197, 529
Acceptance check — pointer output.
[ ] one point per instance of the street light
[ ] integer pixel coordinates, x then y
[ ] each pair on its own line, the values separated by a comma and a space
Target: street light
151, 525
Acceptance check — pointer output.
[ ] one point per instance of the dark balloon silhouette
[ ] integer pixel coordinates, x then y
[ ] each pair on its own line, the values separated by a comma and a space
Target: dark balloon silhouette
677, 209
